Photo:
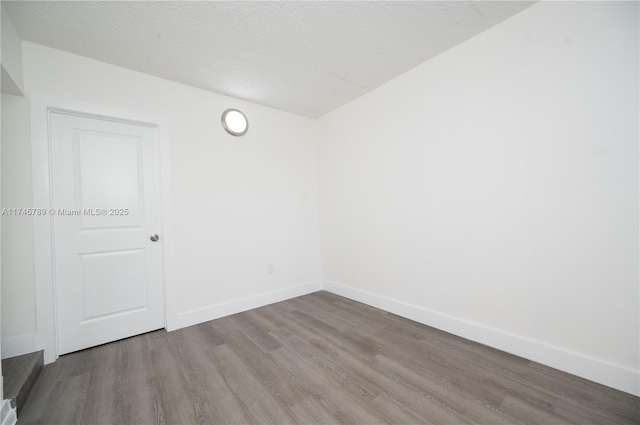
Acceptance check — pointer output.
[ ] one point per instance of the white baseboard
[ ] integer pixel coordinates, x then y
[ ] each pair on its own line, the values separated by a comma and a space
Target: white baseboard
193, 317
596, 370
19, 345
7, 414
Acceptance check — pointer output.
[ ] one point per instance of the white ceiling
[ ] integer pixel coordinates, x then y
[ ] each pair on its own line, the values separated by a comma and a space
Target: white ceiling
302, 57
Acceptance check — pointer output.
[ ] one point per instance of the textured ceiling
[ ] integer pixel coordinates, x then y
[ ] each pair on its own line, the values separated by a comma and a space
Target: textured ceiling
302, 57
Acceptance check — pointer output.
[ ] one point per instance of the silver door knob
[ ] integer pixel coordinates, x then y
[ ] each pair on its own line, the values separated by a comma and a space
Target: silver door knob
154, 238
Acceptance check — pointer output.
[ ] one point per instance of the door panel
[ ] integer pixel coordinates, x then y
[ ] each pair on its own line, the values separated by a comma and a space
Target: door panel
98, 155
113, 283
105, 192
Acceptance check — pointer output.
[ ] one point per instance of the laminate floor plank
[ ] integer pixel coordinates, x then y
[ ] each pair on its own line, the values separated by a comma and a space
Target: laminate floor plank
337, 317
327, 401
194, 374
562, 385
469, 364
438, 366
595, 398
363, 382
429, 409
467, 406
224, 403
488, 378
312, 352
311, 411
348, 341
137, 393
580, 415
535, 377
103, 393
71, 409
259, 406
256, 331
174, 400
153, 380
271, 375
528, 413
315, 359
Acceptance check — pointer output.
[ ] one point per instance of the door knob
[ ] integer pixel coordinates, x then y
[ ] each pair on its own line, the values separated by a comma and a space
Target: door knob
154, 237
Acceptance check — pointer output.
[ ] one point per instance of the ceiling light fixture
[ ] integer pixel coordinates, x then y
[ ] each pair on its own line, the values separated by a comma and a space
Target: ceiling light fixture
235, 122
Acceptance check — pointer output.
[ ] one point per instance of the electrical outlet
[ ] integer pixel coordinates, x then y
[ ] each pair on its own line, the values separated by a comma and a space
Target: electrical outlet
270, 268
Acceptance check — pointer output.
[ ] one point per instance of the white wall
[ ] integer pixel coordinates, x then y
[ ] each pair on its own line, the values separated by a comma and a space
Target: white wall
493, 190
18, 290
11, 72
238, 203
7, 414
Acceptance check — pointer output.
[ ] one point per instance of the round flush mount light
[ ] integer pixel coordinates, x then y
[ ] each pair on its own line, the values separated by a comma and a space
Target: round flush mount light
235, 122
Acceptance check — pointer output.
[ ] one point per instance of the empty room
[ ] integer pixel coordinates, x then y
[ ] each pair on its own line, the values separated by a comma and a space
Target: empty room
323, 212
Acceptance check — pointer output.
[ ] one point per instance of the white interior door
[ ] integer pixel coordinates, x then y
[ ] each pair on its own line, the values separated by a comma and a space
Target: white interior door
106, 198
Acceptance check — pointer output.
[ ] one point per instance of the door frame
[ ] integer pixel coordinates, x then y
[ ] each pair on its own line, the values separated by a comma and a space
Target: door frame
46, 306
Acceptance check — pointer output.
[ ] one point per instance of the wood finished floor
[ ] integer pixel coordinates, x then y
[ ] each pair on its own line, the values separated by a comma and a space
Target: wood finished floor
316, 359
